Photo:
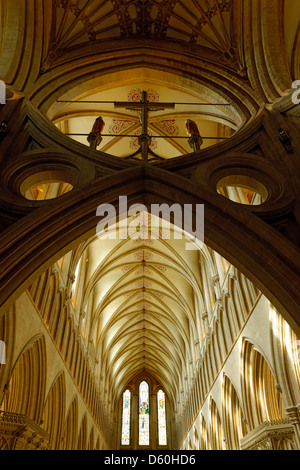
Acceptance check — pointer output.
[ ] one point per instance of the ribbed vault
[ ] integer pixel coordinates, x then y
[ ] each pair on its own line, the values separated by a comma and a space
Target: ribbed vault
139, 304
202, 24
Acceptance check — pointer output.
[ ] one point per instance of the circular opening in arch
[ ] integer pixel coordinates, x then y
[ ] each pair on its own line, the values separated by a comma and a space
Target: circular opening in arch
242, 189
46, 185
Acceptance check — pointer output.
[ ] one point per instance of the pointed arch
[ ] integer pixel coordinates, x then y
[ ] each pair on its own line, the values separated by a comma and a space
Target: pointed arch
144, 410
82, 438
217, 438
126, 418
69, 438
91, 441
233, 417
286, 354
7, 335
261, 398
98, 445
204, 436
161, 418
26, 389
266, 268
54, 410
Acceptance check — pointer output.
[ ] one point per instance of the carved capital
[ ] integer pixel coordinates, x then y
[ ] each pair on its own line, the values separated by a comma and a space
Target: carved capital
72, 277
293, 414
21, 433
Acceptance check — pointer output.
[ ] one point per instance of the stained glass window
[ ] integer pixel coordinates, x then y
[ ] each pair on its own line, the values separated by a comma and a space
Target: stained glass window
144, 414
126, 418
161, 414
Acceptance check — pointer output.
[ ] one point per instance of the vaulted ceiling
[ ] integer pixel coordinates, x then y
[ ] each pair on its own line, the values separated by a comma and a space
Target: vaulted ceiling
199, 23
140, 293
139, 301
203, 26
138, 310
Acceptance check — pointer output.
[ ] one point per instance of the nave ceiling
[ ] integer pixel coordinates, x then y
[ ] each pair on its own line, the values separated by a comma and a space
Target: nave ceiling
138, 300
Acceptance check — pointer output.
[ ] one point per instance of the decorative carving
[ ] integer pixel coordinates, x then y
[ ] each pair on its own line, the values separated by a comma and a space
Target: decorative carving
82, 315
18, 432
294, 415
273, 435
72, 277
285, 140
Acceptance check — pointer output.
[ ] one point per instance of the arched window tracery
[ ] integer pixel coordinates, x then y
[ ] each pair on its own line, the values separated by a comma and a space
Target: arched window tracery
161, 415
143, 416
125, 439
144, 422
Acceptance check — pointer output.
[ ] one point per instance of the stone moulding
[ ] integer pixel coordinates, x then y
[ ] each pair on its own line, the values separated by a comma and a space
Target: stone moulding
18, 432
273, 435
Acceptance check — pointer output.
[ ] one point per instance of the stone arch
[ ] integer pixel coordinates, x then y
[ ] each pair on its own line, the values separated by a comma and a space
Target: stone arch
286, 355
272, 263
211, 81
261, 398
54, 411
69, 438
82, 438
91, 441
233, 417
98, 445
204, 436
216, 428
26, 388
196, 439
7, 323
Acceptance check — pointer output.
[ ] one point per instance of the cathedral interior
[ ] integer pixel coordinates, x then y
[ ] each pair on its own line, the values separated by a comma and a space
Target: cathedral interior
124, 338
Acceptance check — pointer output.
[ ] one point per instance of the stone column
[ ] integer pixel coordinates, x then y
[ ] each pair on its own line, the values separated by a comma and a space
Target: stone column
134, 434
153, 422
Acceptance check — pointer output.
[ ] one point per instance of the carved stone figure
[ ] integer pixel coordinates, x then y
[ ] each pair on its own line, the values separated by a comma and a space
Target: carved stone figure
285, 140
191, 128
195, 139
94, 138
